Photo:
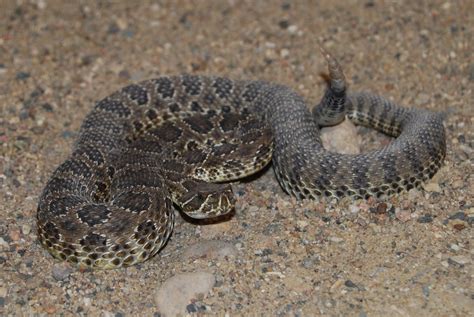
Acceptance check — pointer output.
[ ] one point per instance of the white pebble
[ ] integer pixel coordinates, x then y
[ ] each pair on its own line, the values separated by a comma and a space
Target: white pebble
26, 229
175, 294
354, 209
284, 53
336, 239
433, 187
292, 29
454, 247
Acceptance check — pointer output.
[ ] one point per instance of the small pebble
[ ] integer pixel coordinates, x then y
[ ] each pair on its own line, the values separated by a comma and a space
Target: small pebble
458, 221
87, 301
341, 138
284, 24
375, 228
454, 247
14, 235
61, 271
263, 252
433, 187
67, 134
194, 308
380, 209
284, 53
354, 209
458, 260
458, 224
426, 290
292, 29
458, 215
309, 262
3, 244
22, 76
350, 284
446, 5
334, 287
113, 28
403, 215
427, 218
175, 294
414, 194
336, 239
26, 229
457, 184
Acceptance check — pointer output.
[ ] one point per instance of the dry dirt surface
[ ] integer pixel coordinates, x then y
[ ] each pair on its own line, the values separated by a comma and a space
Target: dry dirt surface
411, 255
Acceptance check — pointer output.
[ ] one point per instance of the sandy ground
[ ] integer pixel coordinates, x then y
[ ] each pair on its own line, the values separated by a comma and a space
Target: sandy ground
411, 255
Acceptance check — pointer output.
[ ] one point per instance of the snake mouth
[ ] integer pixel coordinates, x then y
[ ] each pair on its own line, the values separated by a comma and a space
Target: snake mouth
204, 204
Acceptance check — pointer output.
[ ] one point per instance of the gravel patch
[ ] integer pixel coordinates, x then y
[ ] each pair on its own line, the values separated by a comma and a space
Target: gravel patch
408, 255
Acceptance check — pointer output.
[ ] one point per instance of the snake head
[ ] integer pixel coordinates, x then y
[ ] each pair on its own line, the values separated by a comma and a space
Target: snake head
206, 200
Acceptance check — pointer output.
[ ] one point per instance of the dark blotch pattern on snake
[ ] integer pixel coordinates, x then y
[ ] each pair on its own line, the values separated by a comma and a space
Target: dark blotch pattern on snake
173, 140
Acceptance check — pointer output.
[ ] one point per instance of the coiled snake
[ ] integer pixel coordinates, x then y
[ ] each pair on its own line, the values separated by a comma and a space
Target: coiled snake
174, 140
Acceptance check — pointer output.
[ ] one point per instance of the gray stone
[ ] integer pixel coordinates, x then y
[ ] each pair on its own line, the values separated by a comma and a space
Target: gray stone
176, 293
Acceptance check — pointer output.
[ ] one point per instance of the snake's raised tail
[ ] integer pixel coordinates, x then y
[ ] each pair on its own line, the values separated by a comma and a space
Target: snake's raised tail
332, 108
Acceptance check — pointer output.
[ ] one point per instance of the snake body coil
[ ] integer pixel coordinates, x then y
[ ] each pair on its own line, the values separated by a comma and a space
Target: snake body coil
172, 139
